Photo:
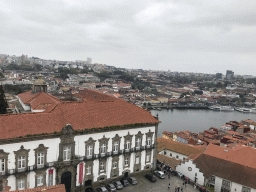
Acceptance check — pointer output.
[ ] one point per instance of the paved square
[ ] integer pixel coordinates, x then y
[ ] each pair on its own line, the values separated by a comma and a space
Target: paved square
145, 185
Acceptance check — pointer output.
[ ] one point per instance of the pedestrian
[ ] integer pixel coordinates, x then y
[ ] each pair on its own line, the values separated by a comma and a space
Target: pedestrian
194, 187
181, 189
178, 188
185, 184
175, 189
169, 186
169, 176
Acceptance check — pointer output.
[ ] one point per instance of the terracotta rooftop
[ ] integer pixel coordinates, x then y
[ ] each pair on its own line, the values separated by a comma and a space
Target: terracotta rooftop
225, 169
240, 154
96, 110
177, 147
168, 161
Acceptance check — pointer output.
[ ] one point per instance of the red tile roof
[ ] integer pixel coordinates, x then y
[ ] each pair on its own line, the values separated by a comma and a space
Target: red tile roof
225, 169
244, 155
168, 161
97, 110
177, 147
27, 96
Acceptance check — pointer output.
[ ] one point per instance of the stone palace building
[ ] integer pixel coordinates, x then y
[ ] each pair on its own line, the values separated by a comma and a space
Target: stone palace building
80, 140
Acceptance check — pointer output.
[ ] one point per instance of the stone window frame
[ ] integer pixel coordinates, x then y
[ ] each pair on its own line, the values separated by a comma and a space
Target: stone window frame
226, 184
40, 173
21, 177
4, 155
129, 161
19, 153
148, 152
137, 166
116, 139
128, 137
102, 141
149, 134
89, 142
105, 166
67, 140
139, 135
115, 171
88, 176
41, 149
246, 189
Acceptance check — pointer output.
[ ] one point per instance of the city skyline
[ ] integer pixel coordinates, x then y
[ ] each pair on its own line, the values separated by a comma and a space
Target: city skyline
199, 36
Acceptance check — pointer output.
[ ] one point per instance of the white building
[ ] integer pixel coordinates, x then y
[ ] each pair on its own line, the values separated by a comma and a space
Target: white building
226, 170
78, 143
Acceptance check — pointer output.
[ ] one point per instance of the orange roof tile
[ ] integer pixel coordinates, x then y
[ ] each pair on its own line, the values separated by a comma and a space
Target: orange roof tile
168, 161
177, 147
97, 110
244, 155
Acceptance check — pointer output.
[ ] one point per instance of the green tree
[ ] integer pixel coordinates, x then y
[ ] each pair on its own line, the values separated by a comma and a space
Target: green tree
3, 102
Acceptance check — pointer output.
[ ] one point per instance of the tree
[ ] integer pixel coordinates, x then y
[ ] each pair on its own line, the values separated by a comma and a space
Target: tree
3, 102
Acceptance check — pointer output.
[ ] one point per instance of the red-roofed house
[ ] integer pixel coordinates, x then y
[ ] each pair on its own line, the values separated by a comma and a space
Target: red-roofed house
225, 169
88, 140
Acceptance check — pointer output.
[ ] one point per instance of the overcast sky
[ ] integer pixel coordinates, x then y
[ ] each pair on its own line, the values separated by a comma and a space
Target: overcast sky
206, 36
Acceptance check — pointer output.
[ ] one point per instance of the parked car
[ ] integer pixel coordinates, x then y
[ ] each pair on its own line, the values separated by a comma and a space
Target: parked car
159, 174
102, 189
111, 187
132, 180
118, 185
150, 177
89, 189
124, 182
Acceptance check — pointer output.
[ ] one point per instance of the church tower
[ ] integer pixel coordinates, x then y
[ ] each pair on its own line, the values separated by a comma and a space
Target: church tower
39, 85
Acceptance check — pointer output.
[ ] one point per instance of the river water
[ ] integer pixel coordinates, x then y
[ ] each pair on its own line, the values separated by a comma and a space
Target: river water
196, 120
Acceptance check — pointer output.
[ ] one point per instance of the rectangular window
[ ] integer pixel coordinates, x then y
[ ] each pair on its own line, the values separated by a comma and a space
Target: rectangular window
2, 169
126, 161
149, 141
177, 156
138, 142
127, 145
213, 179
67, 153
88, 170
21, 162
170, 154
114, 165
40, 159
89, 151
115, 147
21, 184
103, 148
40, 180
137, 159
148, 158
102, 167
50, 182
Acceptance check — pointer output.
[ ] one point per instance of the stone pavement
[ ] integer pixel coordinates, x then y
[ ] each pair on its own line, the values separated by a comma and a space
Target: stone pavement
160, 185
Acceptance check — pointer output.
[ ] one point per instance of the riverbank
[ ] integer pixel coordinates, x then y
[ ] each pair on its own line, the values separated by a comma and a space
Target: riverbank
196, 120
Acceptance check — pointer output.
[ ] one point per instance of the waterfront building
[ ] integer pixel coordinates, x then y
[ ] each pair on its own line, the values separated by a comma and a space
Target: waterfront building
80, 140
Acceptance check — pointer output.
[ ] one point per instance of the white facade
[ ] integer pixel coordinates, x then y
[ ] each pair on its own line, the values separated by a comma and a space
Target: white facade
189, 169
173, 154
52, 146
233, 186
